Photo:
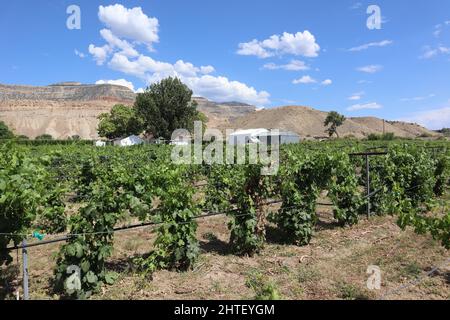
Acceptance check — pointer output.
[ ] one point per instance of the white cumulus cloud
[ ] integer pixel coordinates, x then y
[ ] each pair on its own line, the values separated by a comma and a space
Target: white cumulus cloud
80, 54
132, 24
186, 69
420, 98
298, 44
304, 80
429, 52
141, 66
118, 82
215, 88
370, 68
222, 89
253, 48
207, 69
356, 5
123, 56
366, 46
439, 28
293, 65
309, 80
434, 119
100, 54
371, 105
356, 96
114, 42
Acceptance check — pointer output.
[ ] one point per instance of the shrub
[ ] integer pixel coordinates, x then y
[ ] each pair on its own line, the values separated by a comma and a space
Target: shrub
44, 137
5, 132
262, 286
388, 136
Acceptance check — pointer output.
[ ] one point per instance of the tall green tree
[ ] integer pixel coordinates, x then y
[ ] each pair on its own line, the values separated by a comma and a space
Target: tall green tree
122, 121
5, 132
333, 121
166, 106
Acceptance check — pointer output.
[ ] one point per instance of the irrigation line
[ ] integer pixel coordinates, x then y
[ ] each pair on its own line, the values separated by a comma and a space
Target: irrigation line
415, 281
368, 154
380, 147
142, 225
74, 235
119, 229
418, 279
124, 228
145, 224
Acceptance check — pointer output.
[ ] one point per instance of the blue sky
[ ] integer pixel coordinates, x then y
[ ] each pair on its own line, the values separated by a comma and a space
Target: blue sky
268, 53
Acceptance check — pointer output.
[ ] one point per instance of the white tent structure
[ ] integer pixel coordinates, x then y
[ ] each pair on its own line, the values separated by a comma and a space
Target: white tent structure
279, 137
128, 141
246, 136
262, 136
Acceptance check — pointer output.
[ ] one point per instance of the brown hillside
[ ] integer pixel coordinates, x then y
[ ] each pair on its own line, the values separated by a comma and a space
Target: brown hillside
70, 108
308, 122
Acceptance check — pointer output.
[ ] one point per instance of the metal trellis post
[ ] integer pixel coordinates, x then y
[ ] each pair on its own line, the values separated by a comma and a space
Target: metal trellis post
25, 270
368, 185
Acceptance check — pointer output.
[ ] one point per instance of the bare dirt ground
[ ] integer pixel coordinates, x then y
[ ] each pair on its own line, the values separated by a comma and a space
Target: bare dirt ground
333, 266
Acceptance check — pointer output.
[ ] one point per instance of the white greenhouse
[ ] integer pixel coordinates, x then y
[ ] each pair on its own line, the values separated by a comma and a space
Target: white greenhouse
128, 141
263, 136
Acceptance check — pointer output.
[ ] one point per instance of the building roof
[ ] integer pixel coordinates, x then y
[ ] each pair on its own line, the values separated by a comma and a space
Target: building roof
263, 132
281, 133
129, 137
248, 132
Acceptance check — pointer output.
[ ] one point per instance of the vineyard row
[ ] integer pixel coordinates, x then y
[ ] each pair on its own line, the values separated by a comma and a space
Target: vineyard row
112, 187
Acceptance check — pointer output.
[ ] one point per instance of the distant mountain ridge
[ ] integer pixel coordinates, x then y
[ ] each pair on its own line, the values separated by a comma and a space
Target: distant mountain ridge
70, 108
222, 115
67, 91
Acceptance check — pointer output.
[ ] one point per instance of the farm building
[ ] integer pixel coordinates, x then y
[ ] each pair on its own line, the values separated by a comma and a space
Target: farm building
263, 135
